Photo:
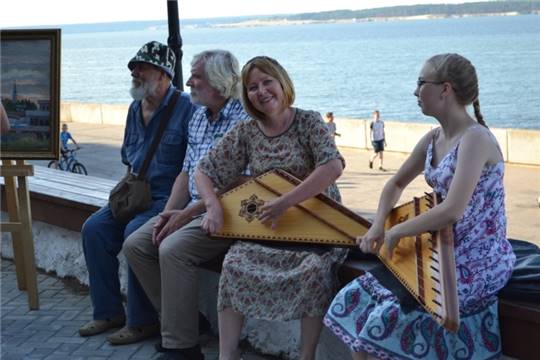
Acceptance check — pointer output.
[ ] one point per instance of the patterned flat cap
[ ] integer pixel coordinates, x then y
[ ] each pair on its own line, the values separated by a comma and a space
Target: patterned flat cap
157, 54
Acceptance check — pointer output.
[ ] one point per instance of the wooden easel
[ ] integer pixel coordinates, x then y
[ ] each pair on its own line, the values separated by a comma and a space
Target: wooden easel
20, 226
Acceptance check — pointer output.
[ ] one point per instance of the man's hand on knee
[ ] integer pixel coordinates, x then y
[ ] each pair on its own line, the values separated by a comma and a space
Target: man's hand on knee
168, 223
158, 226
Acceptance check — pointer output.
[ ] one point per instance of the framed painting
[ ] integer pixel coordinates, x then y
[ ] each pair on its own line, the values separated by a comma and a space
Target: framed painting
30, 93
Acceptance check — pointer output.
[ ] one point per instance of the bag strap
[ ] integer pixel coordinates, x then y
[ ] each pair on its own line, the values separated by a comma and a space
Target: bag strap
159, 133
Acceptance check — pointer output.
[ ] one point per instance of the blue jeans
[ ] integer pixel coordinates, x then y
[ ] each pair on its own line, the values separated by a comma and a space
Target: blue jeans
102, 238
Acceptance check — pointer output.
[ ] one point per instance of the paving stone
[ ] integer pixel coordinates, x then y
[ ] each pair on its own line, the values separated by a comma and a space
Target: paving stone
12, 356
66, 348
93, 353
41, 344
51, 332
16, 350
41, 352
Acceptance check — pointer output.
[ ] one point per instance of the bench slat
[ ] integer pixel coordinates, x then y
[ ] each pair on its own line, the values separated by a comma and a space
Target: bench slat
53, 174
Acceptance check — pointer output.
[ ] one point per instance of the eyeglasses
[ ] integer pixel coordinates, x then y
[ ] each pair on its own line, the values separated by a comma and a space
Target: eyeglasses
419, 82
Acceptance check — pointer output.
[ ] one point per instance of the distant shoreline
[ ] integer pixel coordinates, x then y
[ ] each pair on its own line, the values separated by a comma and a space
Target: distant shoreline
286, 22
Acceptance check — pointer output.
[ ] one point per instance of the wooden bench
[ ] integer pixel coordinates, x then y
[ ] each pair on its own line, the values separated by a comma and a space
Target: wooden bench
67, 200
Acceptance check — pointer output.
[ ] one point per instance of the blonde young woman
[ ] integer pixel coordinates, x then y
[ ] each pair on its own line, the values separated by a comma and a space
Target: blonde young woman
461, 160
264, 281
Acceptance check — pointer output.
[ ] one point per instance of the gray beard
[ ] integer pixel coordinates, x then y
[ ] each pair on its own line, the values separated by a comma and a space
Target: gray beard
145, 89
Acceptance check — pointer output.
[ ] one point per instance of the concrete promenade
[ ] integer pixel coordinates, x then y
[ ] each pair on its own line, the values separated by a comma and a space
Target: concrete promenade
360, 187
51, 332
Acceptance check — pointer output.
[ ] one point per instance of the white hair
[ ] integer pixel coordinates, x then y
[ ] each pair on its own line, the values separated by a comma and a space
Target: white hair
222, 70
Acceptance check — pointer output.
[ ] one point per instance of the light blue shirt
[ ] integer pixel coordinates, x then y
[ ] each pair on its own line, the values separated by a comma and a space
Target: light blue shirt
167, 161
65, 136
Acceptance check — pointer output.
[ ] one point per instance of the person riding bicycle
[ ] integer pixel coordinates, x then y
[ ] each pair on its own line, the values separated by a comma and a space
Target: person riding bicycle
65, 136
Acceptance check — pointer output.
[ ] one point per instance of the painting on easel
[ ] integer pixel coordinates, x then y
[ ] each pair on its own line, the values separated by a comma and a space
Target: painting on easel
30, 93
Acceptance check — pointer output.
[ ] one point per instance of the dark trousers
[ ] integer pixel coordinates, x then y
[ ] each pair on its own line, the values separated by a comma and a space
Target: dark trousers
102, 238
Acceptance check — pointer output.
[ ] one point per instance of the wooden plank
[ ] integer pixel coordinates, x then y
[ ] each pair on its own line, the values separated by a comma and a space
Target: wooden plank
11, 226
70, 181
63, 176
9, 170
27, 239
71, 178
73, 183
12, 202
68, 191
80, 189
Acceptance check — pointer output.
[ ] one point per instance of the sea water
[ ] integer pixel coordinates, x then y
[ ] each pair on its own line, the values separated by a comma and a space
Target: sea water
348, 68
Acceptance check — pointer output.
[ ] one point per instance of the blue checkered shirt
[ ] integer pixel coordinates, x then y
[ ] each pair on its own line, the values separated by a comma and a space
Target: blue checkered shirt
204, 133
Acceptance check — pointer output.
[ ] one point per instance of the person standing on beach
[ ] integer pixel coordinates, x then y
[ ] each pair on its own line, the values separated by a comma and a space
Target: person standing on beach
166, 251
376, 134
152, 70
331, 125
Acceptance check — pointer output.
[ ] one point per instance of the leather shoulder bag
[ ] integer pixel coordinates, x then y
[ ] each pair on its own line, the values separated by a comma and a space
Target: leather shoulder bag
133, 195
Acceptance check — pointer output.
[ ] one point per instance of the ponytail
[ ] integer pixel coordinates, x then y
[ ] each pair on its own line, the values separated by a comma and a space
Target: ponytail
478, 114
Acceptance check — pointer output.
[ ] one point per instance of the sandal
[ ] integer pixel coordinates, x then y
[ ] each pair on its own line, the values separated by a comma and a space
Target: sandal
95, 327
133, 334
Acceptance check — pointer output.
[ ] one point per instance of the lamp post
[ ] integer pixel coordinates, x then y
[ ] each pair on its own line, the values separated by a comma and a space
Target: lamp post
175, 41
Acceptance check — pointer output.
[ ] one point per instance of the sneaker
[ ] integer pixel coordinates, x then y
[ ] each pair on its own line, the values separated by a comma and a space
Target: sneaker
95, 327
370, 164
133, 334
381, 168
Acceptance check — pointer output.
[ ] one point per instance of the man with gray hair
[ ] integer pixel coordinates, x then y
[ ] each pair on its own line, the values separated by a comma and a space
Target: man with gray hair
165, 252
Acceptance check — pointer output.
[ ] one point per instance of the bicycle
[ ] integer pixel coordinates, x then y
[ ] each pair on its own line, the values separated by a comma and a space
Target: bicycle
68, 162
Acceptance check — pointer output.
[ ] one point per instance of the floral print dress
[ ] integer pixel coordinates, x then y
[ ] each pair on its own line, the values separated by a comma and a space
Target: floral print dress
266, 281
368, 317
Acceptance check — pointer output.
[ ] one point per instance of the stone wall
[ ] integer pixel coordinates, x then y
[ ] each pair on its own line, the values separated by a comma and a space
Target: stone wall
519, 146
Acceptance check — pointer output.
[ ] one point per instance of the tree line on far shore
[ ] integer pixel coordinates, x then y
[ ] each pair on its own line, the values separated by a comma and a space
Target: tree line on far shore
473, 8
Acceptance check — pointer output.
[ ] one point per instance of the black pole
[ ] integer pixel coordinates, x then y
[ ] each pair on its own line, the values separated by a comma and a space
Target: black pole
175, 41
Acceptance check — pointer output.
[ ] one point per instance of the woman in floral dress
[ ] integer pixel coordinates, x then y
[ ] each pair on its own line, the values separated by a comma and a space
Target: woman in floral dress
259, 280
461, 160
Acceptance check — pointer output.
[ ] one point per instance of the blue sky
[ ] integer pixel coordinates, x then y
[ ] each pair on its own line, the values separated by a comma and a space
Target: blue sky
53, 12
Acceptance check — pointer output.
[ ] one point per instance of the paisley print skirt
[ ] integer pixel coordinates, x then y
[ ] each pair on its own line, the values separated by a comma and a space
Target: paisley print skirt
368, 318
270, 283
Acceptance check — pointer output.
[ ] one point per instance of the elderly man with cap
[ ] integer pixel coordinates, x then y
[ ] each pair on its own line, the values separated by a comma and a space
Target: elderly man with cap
152, 70
165, 252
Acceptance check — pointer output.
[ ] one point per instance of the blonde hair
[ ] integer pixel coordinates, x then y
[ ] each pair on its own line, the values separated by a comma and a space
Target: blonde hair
461, 74
270, 67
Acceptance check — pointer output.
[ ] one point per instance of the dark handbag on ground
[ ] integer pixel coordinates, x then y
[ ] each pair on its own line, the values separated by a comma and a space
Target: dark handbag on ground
132, 195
